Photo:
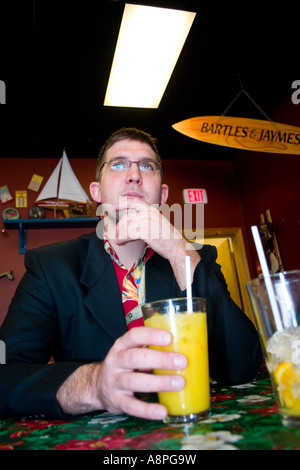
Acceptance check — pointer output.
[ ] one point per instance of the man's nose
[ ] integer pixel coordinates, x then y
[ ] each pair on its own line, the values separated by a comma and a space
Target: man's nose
133, 173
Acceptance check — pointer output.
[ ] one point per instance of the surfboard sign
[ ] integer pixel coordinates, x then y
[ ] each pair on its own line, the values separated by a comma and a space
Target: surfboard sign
242, 133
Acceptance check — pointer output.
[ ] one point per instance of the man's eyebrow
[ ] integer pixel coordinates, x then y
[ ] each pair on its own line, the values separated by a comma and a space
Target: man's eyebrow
121, 157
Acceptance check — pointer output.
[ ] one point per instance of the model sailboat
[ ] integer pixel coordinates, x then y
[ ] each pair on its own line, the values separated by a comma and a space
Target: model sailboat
63, 191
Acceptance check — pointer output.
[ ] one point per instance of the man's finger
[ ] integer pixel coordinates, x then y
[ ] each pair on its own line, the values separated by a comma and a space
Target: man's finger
149, 383
146, 335
141, 409
145, 359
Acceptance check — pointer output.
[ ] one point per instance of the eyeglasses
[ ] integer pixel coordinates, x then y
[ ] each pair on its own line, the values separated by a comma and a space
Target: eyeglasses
120, 165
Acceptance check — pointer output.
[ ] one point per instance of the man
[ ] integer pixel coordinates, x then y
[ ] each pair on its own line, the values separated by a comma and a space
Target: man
76, 299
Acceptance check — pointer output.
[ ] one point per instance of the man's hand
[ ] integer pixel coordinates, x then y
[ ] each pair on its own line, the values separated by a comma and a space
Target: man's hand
143, 221
111, 385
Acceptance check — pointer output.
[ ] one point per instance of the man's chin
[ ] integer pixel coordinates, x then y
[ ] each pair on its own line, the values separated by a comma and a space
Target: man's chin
114, 216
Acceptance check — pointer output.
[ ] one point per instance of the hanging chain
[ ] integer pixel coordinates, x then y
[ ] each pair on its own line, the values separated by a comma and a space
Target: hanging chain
232, 102
242, 90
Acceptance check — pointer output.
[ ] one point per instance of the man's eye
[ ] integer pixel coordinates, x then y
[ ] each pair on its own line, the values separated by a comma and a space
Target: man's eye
118, 166
146, 166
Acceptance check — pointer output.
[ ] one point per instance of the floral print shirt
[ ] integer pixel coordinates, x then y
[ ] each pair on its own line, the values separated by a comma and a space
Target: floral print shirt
131, 284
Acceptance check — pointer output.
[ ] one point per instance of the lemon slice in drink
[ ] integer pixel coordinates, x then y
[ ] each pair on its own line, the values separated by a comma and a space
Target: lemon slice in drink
287, 378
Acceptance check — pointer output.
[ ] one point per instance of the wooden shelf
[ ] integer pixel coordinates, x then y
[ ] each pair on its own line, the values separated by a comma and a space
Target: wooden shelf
23, 224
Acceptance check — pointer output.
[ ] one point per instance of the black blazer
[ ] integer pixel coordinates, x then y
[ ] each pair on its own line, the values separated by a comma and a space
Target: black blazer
68, 307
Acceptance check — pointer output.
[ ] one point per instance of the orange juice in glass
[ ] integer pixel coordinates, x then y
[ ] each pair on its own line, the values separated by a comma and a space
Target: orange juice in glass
189, 331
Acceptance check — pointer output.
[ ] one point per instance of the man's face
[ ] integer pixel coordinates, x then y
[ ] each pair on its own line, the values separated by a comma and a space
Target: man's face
131, 183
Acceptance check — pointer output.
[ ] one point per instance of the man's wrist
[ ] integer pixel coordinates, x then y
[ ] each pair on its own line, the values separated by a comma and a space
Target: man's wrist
78, 393
178, 262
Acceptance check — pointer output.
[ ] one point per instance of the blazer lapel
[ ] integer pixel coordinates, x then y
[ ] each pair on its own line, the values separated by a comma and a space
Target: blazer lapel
103, 298
160, 281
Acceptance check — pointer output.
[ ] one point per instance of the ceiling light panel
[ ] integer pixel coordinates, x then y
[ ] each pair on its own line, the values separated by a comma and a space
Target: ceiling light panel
149, 43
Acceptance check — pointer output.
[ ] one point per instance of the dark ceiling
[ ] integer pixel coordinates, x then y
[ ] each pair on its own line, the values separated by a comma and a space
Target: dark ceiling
55, 58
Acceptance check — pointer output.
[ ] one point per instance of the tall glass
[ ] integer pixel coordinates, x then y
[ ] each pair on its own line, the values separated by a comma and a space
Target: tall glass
275, 303
189, 331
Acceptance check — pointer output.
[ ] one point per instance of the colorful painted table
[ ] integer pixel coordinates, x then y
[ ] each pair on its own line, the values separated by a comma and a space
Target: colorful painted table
242, 417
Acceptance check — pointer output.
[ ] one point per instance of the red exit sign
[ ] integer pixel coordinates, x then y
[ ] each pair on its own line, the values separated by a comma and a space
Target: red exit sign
195, 196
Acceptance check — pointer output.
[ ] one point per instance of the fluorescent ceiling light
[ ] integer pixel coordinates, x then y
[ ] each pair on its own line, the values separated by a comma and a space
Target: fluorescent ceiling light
149, 43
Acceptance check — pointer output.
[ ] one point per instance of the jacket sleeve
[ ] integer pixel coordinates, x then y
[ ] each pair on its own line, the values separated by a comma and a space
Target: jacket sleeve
234, 347
28, 383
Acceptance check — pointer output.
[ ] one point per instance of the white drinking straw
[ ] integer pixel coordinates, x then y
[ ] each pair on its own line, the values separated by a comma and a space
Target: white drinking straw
188, 283
266, 274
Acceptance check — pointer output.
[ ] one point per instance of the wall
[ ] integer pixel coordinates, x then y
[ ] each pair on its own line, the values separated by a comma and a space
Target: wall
271, 181
223, 208
16, 173
238, 192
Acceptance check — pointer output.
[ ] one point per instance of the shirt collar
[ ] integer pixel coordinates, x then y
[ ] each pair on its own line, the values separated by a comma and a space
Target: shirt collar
144, 256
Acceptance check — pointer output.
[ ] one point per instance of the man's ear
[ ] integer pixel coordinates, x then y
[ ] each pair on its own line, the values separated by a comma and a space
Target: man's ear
164, 193
95, 191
